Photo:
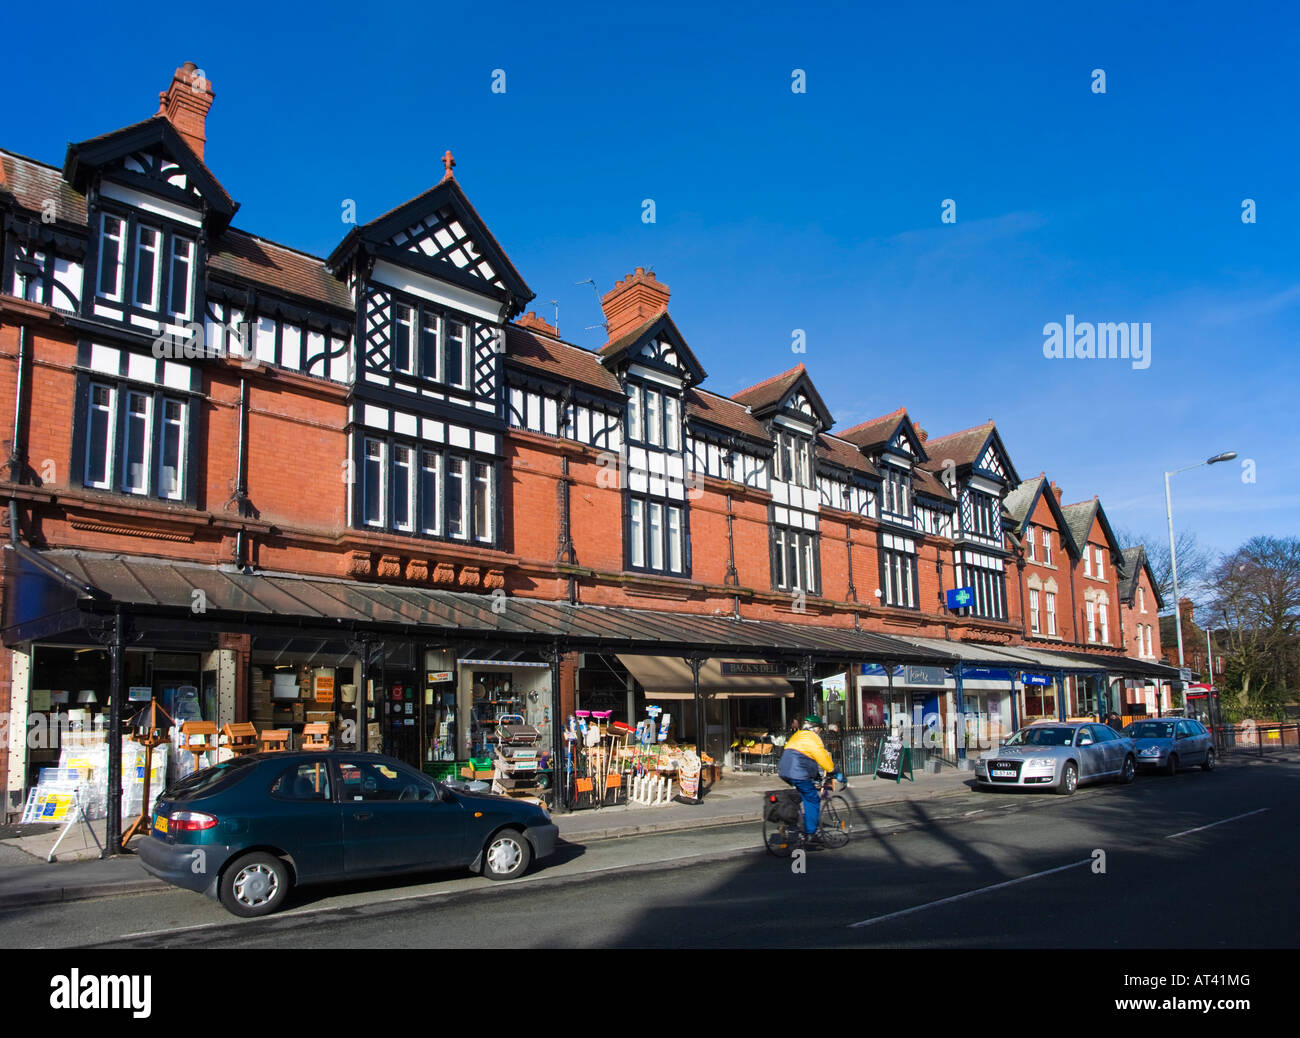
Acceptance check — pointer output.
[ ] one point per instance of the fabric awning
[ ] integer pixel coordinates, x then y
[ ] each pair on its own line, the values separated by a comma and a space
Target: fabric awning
669, 677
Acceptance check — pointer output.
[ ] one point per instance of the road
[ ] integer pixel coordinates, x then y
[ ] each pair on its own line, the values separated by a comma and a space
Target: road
1203, 860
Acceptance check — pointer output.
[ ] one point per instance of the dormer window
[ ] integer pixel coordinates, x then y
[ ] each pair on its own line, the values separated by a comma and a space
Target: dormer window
429, 344
794, 459
896, 492
155, 261
654, 417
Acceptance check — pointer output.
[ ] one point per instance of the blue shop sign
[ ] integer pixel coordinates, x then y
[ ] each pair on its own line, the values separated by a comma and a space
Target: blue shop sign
985, 674
1036, 679
876, 670
961, 597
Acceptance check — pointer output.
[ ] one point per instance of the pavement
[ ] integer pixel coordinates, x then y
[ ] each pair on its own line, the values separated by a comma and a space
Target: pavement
78, 873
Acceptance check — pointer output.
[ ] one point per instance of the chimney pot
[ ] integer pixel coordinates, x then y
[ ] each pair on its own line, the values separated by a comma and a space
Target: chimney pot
1057, 491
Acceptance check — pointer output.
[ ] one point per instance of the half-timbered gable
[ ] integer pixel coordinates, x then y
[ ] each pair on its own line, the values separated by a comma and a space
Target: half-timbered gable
976, 468
895, 447
655, 368
793, 414
44, 234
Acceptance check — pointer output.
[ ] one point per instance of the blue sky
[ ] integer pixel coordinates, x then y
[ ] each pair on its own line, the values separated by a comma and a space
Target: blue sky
818, 211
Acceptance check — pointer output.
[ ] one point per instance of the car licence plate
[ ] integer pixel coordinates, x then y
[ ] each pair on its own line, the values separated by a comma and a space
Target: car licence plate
160, 823
1002, 774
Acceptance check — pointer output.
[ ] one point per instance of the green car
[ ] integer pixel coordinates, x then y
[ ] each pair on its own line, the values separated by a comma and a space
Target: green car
251, 828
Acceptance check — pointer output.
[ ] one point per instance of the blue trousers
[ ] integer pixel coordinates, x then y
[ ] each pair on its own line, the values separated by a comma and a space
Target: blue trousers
812, 803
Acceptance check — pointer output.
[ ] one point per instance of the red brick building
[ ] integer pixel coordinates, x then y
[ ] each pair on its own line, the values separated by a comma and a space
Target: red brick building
236, 469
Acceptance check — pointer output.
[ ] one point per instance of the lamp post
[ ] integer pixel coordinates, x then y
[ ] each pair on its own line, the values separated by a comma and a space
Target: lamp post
1173, 564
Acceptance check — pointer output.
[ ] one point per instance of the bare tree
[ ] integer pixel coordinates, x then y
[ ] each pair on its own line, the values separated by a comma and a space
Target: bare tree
1255, 595
1194, 562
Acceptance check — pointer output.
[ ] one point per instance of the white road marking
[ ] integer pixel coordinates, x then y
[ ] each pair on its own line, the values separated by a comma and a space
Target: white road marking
969, 893
1225, 821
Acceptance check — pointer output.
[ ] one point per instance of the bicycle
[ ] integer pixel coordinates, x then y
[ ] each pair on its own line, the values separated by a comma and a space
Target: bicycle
783, 833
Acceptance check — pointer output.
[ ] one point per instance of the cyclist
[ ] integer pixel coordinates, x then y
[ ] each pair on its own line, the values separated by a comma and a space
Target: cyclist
802, 763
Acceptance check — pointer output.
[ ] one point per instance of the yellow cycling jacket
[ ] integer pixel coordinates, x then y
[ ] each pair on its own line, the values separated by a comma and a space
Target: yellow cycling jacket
810, 745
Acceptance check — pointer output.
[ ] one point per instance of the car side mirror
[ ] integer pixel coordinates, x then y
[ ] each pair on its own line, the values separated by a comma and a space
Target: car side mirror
446, 795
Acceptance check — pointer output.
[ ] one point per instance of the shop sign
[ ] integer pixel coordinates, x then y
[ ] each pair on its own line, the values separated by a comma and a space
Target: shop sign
960, 597
987, 674
140, 693
325, 688
1035, 679
437, 677
918, 675
746, 667
876, 670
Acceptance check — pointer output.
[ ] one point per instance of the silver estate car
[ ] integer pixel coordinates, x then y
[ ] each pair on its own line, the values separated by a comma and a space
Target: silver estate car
1170, 743
1059, 756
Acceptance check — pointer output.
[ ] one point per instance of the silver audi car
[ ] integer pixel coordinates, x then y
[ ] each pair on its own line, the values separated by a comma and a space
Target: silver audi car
1060, 756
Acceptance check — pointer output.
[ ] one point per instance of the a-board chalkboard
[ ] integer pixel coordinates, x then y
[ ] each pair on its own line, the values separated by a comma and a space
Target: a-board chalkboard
893, 758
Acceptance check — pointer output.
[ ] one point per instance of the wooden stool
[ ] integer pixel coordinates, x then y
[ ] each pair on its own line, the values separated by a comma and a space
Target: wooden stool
316, 736
205, 729
275, 740
241, 738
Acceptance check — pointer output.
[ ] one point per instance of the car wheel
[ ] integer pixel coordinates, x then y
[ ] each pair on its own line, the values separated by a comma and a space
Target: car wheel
1130, 770
256, 884
1069, 779
1209, 761
506, 855
1171, 768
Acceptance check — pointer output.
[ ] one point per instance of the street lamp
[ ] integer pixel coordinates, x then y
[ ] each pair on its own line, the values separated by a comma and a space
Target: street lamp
1173, 564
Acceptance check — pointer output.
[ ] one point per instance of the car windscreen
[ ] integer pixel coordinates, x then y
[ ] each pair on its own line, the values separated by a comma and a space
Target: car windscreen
1151, 730
1046, 736
209, 780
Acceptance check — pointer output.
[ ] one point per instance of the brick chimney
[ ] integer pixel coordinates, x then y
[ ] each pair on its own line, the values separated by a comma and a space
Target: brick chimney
922, 434
1057, 491
185, 104
633, 301
535, 323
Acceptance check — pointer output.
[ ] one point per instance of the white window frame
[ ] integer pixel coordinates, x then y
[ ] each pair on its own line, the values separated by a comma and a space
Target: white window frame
188, 260
672, 424
439, 360
488, 530
1047, 546
146, 462
1104, 616
1087, 560
412, 341
1099, 566
117, 296
431, 524
635, 425
1029, 544
636, 532
465, 365
154, 303
1049, 602
408, 480
382, 490
1033, 611
110, 438
182, 433
1090, 612
1142, 599
466, 474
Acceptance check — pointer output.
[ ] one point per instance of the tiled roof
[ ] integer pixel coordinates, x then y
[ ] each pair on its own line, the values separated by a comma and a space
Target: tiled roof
961, 447
1017, 503
1134, 559
243, 255
876, 431
924, 482
840, 452
30, 183
770, 390
1079, 519
617, 346
720, 411
558, 360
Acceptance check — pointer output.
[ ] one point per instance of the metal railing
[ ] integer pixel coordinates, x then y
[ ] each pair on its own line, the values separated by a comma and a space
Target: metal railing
855, 749
1260, 738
